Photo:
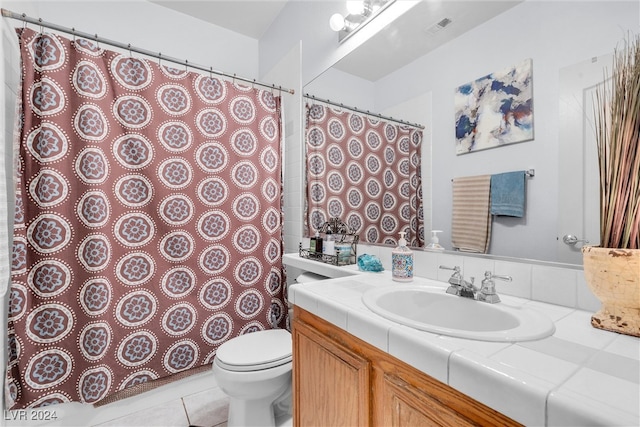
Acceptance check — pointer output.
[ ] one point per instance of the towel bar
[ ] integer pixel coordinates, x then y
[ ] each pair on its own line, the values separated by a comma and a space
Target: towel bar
529, 172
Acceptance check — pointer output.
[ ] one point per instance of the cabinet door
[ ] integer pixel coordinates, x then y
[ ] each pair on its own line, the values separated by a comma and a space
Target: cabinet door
330, 383
401, 404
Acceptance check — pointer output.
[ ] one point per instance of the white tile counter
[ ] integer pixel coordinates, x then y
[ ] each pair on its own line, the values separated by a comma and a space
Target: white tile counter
578, 376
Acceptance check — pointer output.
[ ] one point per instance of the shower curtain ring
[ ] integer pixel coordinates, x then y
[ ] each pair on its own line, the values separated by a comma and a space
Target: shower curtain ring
186, 65
129, 48
253, 85
41, 27
73, 31
96, 40
159, 58
24, 20
211, 72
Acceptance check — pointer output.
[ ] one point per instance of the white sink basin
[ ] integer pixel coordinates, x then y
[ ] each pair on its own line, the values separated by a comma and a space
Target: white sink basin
431, 309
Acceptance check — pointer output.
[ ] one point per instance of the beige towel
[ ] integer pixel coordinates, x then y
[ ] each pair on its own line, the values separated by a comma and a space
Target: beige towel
471, 223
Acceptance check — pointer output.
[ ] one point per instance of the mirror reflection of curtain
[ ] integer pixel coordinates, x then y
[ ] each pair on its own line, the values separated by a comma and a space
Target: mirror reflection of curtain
365, 171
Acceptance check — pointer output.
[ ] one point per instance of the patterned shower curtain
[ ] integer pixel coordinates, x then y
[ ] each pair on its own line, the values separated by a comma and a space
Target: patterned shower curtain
365, 171
148, 221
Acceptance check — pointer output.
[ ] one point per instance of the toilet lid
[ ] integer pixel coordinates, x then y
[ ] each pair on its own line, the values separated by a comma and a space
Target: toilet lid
256, 351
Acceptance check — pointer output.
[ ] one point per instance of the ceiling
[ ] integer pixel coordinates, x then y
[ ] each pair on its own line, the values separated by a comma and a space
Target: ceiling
231, 14
410, 36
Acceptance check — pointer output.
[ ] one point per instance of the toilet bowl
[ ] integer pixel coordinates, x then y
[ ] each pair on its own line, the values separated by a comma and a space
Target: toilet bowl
254, 370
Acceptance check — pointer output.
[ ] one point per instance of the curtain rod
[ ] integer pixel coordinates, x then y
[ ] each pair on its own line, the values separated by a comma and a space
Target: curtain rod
380, 116
22, 17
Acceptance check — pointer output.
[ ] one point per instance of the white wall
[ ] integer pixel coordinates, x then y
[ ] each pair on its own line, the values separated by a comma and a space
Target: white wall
151, 27
338, 86
287, 71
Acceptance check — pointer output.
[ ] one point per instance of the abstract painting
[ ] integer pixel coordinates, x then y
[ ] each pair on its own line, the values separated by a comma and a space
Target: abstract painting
495, 110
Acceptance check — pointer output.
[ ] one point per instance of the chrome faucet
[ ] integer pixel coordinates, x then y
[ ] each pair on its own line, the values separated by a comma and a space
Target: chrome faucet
488, 289
460, 287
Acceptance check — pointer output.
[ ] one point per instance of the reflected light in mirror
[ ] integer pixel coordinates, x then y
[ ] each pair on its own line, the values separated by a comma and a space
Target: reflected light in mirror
355, 7
360, 13
336, 22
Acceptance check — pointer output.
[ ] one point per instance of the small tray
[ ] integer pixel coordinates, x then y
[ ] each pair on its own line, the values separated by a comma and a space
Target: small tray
342, 234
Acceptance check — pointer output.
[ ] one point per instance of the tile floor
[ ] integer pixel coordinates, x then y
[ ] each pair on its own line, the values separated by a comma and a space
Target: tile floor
208, 408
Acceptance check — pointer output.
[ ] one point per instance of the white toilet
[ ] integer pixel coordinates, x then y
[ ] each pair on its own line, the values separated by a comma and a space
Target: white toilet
254, 370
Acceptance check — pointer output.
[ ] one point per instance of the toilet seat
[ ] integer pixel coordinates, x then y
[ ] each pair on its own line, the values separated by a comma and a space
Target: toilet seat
255, 351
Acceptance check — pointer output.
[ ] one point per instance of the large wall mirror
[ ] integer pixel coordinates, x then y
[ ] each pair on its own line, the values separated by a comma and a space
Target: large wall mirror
410, 70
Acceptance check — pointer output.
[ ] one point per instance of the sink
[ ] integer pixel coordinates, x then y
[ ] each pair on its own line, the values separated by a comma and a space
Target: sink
431, 309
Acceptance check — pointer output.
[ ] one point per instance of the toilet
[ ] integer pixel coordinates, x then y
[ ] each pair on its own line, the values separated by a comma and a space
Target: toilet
254, 370
304, 277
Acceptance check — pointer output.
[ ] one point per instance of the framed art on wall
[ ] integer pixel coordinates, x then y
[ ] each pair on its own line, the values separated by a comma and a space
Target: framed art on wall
495, 110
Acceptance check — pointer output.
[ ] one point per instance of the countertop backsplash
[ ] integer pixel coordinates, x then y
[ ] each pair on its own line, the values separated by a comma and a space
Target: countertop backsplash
560, 284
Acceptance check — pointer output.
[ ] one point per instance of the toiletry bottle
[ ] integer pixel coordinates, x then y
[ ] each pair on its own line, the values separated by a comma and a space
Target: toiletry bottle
343, 252
328, 247
312, 243
434, 245
318, 244
402, 261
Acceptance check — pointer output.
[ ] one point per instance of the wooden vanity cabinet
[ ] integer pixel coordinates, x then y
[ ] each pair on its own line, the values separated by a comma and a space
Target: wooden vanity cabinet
340, 380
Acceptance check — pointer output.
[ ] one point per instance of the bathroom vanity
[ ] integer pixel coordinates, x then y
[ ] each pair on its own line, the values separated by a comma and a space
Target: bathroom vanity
355, 367
356, 384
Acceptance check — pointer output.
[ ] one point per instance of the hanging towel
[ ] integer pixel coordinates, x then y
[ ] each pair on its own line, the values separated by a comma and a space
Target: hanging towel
507, 194
471, 221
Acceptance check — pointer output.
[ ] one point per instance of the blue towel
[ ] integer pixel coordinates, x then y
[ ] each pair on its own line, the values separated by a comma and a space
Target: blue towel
507, 194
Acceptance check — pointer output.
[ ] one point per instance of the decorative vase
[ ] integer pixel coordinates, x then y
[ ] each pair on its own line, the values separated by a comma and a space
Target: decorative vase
613, 275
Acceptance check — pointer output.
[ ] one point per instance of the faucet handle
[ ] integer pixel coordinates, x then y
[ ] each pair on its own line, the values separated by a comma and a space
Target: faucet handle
497, 276
456, 277
488, 289
488, 284
455, 281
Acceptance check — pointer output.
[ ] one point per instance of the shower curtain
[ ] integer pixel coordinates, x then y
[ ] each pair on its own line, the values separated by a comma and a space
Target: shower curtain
365, 171
148, 221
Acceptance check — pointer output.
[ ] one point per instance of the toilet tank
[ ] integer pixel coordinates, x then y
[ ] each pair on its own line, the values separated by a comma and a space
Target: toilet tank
304, 277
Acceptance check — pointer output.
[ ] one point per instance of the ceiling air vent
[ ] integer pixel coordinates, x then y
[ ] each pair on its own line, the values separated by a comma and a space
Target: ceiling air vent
437, 27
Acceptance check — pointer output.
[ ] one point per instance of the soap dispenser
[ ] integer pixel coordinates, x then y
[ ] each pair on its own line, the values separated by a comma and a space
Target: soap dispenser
434, 244
402, 261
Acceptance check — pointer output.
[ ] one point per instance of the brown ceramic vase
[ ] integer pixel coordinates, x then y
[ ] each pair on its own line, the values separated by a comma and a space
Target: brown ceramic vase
613, 275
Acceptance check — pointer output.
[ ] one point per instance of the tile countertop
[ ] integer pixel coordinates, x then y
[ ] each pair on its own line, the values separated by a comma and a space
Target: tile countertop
578, 376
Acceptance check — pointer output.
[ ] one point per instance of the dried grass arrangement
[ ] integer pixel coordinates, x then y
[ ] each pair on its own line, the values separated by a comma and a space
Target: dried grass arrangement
617, 119
612, 270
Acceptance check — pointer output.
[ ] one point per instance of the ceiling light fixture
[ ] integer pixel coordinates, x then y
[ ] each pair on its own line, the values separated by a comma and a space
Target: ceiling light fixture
355, 7
360, 12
